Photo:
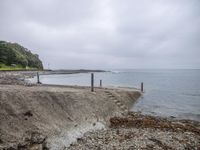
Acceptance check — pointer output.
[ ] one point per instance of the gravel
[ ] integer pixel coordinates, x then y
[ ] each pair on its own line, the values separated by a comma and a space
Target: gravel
150, 136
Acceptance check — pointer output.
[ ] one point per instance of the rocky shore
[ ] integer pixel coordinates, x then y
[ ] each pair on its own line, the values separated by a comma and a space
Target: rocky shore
19, 77
39, 117
136, 131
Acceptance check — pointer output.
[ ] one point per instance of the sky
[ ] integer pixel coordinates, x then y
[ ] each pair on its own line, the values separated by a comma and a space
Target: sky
106, 34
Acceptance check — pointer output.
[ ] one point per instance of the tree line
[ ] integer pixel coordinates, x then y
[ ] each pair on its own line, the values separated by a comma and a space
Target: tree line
13, 54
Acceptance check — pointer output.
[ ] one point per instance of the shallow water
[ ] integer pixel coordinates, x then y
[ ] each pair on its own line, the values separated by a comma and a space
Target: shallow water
167, 92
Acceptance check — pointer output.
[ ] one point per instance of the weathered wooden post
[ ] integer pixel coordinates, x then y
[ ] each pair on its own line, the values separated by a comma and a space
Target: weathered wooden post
100, 83
142, 87
92, 82
38, 78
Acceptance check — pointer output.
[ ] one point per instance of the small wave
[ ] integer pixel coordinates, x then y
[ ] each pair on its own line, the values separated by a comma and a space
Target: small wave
189, 94
190, 116
116, 72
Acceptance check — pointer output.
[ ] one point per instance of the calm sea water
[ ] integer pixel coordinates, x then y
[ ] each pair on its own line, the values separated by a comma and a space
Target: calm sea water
167, 92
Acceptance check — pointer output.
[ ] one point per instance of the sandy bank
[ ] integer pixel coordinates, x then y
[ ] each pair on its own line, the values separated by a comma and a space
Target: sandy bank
52, 117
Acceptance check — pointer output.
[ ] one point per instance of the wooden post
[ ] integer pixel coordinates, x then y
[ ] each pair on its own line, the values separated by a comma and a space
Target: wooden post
92, 82
38, 78
142, 87
100, 83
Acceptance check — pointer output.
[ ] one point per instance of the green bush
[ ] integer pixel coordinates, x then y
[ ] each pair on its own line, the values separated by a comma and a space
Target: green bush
13, 53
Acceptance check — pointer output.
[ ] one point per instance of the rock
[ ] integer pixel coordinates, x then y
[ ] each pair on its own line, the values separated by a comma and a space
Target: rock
37, 138
1, 141
137, 131
36, 147
28, 114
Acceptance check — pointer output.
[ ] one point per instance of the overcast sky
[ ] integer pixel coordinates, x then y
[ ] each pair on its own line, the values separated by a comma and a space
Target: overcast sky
105, 34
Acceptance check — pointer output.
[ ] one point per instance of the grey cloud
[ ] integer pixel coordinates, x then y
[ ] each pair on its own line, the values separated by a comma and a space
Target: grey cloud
106, 34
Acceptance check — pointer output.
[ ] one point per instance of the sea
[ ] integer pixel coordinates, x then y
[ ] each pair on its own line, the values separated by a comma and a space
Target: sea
167, 92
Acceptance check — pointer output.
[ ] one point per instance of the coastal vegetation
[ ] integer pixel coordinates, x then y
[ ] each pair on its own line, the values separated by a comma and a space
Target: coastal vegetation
15, 57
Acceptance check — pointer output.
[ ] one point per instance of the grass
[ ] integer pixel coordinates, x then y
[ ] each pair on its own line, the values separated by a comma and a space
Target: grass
4, 67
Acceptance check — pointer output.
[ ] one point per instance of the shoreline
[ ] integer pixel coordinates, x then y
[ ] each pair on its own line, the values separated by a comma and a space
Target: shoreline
49, 116
46, 72
137, 131
19, 77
